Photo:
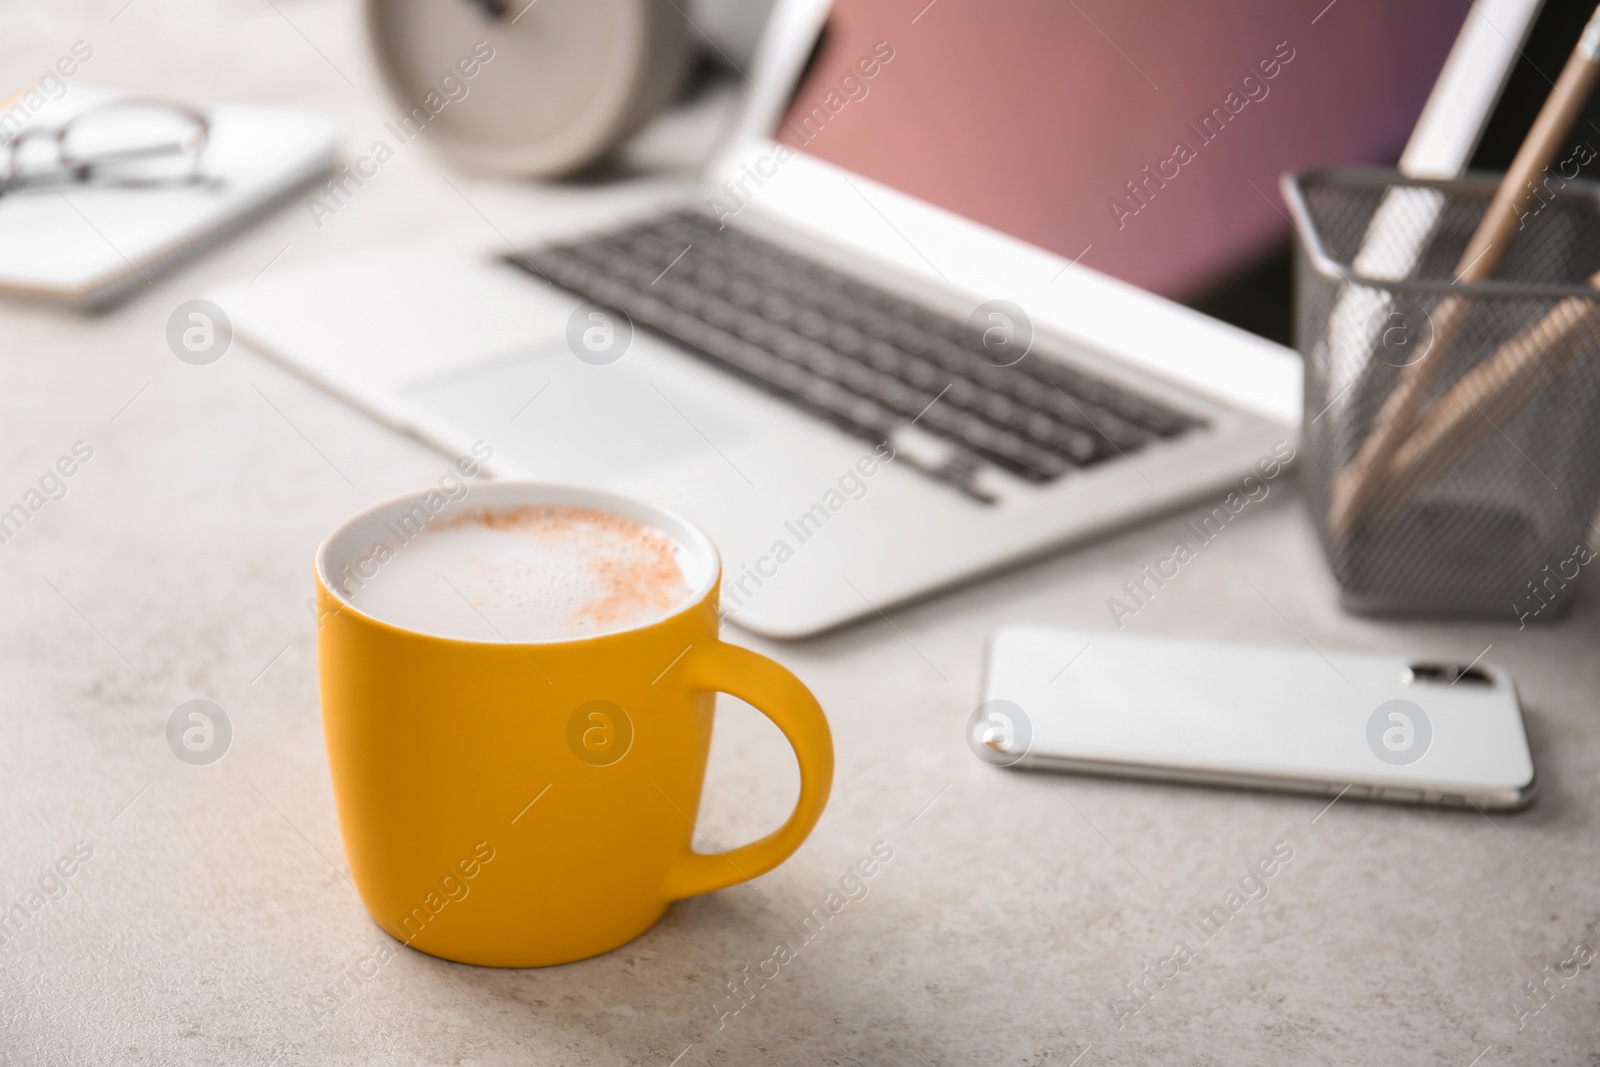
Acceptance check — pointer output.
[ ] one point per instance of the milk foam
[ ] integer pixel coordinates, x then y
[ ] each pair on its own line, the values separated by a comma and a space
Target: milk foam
531, 573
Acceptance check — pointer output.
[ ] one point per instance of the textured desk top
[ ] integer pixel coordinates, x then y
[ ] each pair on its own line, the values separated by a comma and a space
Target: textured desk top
207, 916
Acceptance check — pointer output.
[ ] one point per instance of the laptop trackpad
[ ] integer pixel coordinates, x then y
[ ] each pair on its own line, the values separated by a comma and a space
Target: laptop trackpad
556, 417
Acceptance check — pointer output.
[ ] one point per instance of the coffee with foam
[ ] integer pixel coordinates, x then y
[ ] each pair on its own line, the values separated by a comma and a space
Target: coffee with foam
529, 573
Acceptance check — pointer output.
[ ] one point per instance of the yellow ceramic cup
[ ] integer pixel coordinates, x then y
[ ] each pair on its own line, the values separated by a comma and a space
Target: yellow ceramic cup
517, 805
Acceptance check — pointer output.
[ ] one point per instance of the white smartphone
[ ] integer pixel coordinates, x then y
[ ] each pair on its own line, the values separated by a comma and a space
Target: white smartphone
1411, 730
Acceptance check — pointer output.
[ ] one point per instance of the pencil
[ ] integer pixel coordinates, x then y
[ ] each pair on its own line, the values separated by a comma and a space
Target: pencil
1484, 399
1364, 476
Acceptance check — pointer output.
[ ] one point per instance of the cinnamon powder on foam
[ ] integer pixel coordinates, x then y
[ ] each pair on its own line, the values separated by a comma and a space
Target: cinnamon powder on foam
644, 580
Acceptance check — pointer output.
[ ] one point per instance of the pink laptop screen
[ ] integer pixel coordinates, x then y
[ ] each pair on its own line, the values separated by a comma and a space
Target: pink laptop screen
1145, 136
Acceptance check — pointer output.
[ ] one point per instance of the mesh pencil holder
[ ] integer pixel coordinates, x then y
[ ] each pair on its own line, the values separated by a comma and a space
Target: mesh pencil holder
1451, 435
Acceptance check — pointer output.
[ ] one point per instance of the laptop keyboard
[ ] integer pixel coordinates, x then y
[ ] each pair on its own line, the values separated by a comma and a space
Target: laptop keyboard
867, 361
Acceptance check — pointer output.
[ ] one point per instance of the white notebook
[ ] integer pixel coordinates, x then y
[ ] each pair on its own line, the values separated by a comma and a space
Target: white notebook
85, 244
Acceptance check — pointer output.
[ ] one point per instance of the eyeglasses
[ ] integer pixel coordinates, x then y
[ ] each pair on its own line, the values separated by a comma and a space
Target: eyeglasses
130, 143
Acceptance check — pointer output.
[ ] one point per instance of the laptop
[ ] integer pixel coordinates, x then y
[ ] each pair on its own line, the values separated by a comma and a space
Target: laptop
921, 318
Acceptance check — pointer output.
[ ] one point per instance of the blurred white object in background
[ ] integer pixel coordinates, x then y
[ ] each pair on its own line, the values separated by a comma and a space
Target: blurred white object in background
733, 26
553, 84
91, 242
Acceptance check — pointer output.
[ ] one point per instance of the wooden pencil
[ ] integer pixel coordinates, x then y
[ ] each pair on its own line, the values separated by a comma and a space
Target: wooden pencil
1365, 475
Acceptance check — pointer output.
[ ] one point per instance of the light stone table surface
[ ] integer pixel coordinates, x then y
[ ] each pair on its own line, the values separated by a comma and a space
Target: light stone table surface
208, 917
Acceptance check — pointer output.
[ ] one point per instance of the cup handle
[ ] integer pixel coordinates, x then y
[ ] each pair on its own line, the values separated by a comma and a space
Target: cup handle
783, 698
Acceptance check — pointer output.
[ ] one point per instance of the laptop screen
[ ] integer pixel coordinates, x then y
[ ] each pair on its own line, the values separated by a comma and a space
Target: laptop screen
1145, 136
